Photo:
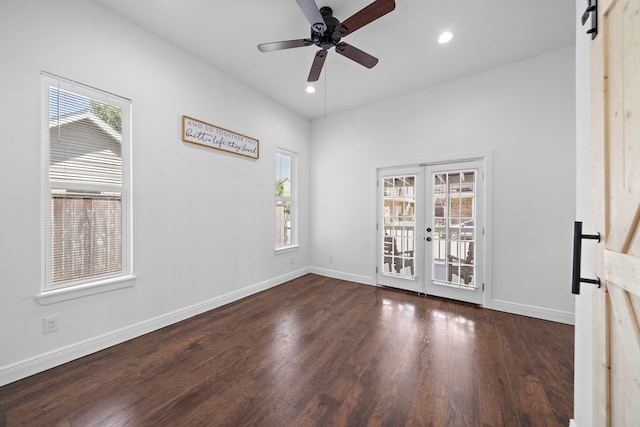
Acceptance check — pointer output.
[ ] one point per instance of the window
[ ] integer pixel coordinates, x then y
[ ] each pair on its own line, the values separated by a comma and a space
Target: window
86, 206
285, 199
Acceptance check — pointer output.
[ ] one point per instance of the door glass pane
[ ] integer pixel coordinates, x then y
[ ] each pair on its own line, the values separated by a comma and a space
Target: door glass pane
454, 232
399, 215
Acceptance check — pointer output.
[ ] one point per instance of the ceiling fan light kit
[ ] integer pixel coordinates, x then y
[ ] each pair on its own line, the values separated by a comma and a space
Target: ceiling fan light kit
445, 37
327, 32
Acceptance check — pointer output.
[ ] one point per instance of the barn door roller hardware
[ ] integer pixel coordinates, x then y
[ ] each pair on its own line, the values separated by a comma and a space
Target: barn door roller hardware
592, 11
577, 257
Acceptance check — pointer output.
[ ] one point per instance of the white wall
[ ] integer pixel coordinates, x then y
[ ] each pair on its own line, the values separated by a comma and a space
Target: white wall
200, 215
203, 219
524, 113
583, 365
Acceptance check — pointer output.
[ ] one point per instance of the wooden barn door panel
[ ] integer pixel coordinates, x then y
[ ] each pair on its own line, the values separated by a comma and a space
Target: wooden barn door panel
616, 142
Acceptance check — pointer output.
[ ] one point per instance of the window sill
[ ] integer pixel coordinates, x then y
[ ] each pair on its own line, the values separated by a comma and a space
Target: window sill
53, 296
287, 249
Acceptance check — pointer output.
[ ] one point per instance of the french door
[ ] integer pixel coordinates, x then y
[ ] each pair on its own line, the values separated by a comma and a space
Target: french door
400, 228
454, 229
430, 230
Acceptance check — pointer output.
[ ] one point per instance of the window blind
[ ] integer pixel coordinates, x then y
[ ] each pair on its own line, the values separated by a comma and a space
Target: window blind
85, 185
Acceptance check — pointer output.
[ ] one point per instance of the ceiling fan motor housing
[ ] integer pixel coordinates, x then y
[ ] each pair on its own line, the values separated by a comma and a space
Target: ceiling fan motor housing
332, 35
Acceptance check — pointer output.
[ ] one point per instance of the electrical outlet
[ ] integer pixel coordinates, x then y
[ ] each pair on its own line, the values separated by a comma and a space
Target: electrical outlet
330, 258
50, 324
292, 260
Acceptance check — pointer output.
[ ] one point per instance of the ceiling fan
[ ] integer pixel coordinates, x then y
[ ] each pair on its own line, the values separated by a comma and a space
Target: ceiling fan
327, 32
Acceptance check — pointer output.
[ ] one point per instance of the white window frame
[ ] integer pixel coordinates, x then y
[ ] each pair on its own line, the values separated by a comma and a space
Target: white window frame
50, 293
293, 199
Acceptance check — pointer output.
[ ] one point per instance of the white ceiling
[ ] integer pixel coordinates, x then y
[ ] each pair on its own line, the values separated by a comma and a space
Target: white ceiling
488, 34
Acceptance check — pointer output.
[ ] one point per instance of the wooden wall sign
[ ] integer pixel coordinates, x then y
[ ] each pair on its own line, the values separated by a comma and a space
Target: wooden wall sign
202, 133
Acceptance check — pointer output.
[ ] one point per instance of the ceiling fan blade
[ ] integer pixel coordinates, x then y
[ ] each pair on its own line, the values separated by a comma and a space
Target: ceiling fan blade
316, 67
287, 44
311, 11
369, 14
357, 55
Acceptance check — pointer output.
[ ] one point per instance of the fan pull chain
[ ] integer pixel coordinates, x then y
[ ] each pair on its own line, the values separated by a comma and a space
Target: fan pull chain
325, 90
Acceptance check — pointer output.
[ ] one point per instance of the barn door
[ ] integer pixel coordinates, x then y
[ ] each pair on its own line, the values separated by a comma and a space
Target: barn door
615, 61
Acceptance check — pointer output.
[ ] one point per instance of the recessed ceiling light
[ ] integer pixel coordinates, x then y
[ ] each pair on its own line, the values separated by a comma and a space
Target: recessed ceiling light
311, 89
445, 37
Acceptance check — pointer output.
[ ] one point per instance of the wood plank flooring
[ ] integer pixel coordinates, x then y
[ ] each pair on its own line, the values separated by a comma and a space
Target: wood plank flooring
316, 352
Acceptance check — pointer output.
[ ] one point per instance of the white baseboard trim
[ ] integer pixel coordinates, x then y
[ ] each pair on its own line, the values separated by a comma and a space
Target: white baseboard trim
499, 305
334, 274
42, 362
572, 423
533, 311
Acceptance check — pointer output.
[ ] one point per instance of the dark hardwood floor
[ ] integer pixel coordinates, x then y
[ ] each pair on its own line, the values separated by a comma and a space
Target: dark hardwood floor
316, 352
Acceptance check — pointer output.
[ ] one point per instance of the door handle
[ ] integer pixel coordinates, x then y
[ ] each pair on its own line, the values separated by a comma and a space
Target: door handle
577, 258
